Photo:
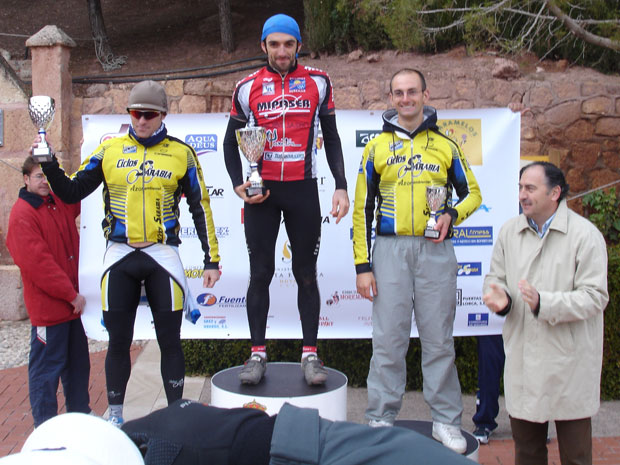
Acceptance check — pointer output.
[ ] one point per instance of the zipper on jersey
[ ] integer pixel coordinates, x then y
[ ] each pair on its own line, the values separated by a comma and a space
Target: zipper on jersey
412, 188
283, 131
143, 196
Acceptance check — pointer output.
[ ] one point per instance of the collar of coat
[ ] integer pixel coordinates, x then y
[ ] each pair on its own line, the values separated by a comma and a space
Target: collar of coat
559, 223
34, 200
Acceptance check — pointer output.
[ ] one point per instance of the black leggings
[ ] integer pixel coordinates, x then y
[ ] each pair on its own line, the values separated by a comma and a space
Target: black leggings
124, 280
298, 203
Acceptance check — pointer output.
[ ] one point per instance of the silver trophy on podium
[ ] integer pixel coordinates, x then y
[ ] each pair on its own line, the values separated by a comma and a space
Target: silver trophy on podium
42, 109
252, 143
435, 196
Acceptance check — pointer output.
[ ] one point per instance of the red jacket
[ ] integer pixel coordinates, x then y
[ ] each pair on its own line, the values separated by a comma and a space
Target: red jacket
44, 243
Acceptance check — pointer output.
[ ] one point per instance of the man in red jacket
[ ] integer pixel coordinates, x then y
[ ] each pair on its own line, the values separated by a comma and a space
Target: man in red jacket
43, 241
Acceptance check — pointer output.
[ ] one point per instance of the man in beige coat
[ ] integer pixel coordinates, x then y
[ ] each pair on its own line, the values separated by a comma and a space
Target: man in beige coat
548, 277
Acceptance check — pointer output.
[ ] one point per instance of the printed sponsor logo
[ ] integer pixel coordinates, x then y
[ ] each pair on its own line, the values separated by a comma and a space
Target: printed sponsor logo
191, 233
482, 207
467, 301
147, 171
126, 163
342, 296
473, 235
110, 135
287, 254
222, 231
373, 233
297, 84
255, 405
362, 137
396, 146
288, 103
416, 166
366, 320
469, 269
215, 192
206, 300
269, 88
130, 149
202, 143
477, 319
325, 322
214, 322
467, 134
395, 159
286, 156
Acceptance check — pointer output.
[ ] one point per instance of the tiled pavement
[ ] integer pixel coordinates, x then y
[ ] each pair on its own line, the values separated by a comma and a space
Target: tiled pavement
16, 421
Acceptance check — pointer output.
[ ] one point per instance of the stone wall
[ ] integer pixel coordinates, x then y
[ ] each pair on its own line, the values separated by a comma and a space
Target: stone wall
14, 105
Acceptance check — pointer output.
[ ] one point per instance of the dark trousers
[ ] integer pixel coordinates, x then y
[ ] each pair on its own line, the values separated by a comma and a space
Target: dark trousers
58, 352
490, 367
574, 441
297, 203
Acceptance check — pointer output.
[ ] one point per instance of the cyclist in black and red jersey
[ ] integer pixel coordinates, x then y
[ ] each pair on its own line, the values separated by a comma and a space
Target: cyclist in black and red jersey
289, 100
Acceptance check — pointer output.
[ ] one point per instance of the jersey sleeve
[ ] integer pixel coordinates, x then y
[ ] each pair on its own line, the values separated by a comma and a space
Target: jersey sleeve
197, 196
82, 183
364, 210
467, 190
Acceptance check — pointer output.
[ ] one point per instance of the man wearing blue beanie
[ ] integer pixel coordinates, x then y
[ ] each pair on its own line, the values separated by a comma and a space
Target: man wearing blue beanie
290, 101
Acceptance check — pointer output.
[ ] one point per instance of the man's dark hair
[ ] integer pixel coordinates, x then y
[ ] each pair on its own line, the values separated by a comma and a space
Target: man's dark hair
553, 176
28, 166
409, 71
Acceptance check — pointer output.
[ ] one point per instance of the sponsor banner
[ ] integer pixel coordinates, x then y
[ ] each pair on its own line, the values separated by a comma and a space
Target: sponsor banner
488, 137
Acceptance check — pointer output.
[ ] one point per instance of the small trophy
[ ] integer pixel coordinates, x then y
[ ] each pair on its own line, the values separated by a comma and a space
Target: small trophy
435, 196
41, 109
252, 144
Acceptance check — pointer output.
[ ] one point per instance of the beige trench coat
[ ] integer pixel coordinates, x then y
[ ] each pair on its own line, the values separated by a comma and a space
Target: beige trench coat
553, 361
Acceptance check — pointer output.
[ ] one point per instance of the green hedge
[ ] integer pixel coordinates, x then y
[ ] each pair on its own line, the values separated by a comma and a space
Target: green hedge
352, 357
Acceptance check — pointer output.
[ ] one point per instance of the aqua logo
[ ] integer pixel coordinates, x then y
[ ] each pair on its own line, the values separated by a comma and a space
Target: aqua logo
202, 143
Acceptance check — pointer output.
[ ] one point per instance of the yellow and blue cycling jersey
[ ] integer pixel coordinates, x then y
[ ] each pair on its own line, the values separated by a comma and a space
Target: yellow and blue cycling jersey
142, 187
395, 170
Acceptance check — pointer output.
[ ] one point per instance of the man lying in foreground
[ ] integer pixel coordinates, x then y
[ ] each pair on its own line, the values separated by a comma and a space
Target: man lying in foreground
192, 433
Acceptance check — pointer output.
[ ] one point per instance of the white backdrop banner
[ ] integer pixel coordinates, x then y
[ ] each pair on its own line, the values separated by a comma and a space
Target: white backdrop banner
489, 138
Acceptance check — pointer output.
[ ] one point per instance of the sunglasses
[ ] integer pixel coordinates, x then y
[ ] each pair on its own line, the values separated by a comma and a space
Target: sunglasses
147, 115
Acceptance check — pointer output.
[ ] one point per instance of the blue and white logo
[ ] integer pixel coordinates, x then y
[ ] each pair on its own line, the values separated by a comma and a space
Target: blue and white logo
469, 269
473, 235
477, 319
202, 143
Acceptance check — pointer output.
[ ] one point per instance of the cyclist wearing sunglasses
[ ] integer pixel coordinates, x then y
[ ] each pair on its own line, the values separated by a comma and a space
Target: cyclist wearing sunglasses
144, 174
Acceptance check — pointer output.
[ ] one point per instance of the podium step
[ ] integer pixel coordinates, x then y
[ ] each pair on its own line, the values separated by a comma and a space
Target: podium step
283, 382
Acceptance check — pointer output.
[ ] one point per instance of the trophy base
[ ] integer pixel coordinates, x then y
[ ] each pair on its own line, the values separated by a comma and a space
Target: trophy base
255, 190
42, 157
432, 233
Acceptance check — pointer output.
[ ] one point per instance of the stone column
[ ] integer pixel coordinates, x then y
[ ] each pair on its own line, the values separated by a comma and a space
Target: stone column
51, 50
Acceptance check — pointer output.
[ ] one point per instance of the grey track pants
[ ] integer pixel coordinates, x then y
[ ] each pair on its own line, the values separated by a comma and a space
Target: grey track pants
414, 275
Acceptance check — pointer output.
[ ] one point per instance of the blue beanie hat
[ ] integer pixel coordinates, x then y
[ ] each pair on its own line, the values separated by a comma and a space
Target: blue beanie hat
281, 23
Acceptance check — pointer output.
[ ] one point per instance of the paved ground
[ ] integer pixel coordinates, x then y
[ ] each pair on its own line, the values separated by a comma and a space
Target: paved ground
146, 394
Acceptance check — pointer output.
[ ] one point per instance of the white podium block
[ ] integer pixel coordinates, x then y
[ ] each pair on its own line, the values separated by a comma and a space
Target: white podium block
283, 382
